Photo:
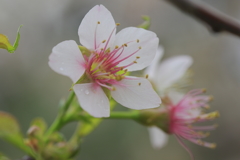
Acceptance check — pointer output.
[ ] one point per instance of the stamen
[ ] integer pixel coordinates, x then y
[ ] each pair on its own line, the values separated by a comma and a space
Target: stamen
185, 147
211, 98
109, 38
204, 90
103, 41
212, 145
139, 84
146, 76
117, 24
137, 57
108, 50
207, 106
137, 40
108, 87
125, 57
125, 45
140, 47
112, 57
134, 61
119, 77
95, 36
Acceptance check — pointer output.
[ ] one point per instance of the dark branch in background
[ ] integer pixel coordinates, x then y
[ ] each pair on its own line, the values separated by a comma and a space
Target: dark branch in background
217, 21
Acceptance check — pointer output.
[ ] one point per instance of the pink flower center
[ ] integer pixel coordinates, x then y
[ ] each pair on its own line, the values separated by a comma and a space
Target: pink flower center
186, 113
102, 65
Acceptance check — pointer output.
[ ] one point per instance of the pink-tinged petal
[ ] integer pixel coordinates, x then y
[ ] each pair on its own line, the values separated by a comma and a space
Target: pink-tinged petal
171, 70
175, 97
151, 70
92, 99
67, 59
136, 93
158, 138
97, 25
142, 42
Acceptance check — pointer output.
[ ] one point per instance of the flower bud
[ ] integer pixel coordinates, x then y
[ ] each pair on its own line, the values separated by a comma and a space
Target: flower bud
155, 117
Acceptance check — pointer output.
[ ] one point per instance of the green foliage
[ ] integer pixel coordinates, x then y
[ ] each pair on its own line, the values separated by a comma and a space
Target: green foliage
5, 44
146, 24
10, 132
3, 157
88, 127
41, 126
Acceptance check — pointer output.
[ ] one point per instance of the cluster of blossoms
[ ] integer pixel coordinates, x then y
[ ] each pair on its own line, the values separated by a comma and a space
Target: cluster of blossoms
99, 70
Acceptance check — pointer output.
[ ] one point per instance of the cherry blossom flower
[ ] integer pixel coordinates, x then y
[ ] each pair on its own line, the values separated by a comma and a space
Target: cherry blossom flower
98, 69
163, 76
166, 74
186, 113
181, 116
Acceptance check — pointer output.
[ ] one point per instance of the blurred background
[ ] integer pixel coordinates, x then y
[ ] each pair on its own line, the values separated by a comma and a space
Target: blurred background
29, 88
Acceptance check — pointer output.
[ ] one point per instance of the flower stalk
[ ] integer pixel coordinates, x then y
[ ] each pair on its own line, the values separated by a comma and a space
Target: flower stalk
134, 115
58, 122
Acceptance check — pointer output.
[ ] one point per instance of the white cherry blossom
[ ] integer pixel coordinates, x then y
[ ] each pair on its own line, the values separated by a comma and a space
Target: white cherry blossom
163, 75
110, 57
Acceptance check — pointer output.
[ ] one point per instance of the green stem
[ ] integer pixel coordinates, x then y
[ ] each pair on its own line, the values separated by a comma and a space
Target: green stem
58, 122
124, 115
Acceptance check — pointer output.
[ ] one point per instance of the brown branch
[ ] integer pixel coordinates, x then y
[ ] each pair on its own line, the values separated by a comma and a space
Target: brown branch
217, 21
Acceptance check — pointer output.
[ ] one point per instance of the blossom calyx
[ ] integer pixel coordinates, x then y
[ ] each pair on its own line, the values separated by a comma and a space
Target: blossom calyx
155, 117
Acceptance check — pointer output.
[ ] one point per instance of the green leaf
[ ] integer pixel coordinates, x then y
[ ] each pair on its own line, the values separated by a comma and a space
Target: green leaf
5, 44
15, 45
146, 24
3, 157
10, 132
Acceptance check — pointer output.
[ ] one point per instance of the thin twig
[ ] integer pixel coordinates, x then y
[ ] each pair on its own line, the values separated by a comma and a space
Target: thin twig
217, 21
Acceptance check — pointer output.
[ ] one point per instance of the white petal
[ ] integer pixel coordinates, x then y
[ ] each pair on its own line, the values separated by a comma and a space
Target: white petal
67, 59
158, 138
91, 34
151, 70
92, 99
136, 93
175, 97
171, 70
148, 42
